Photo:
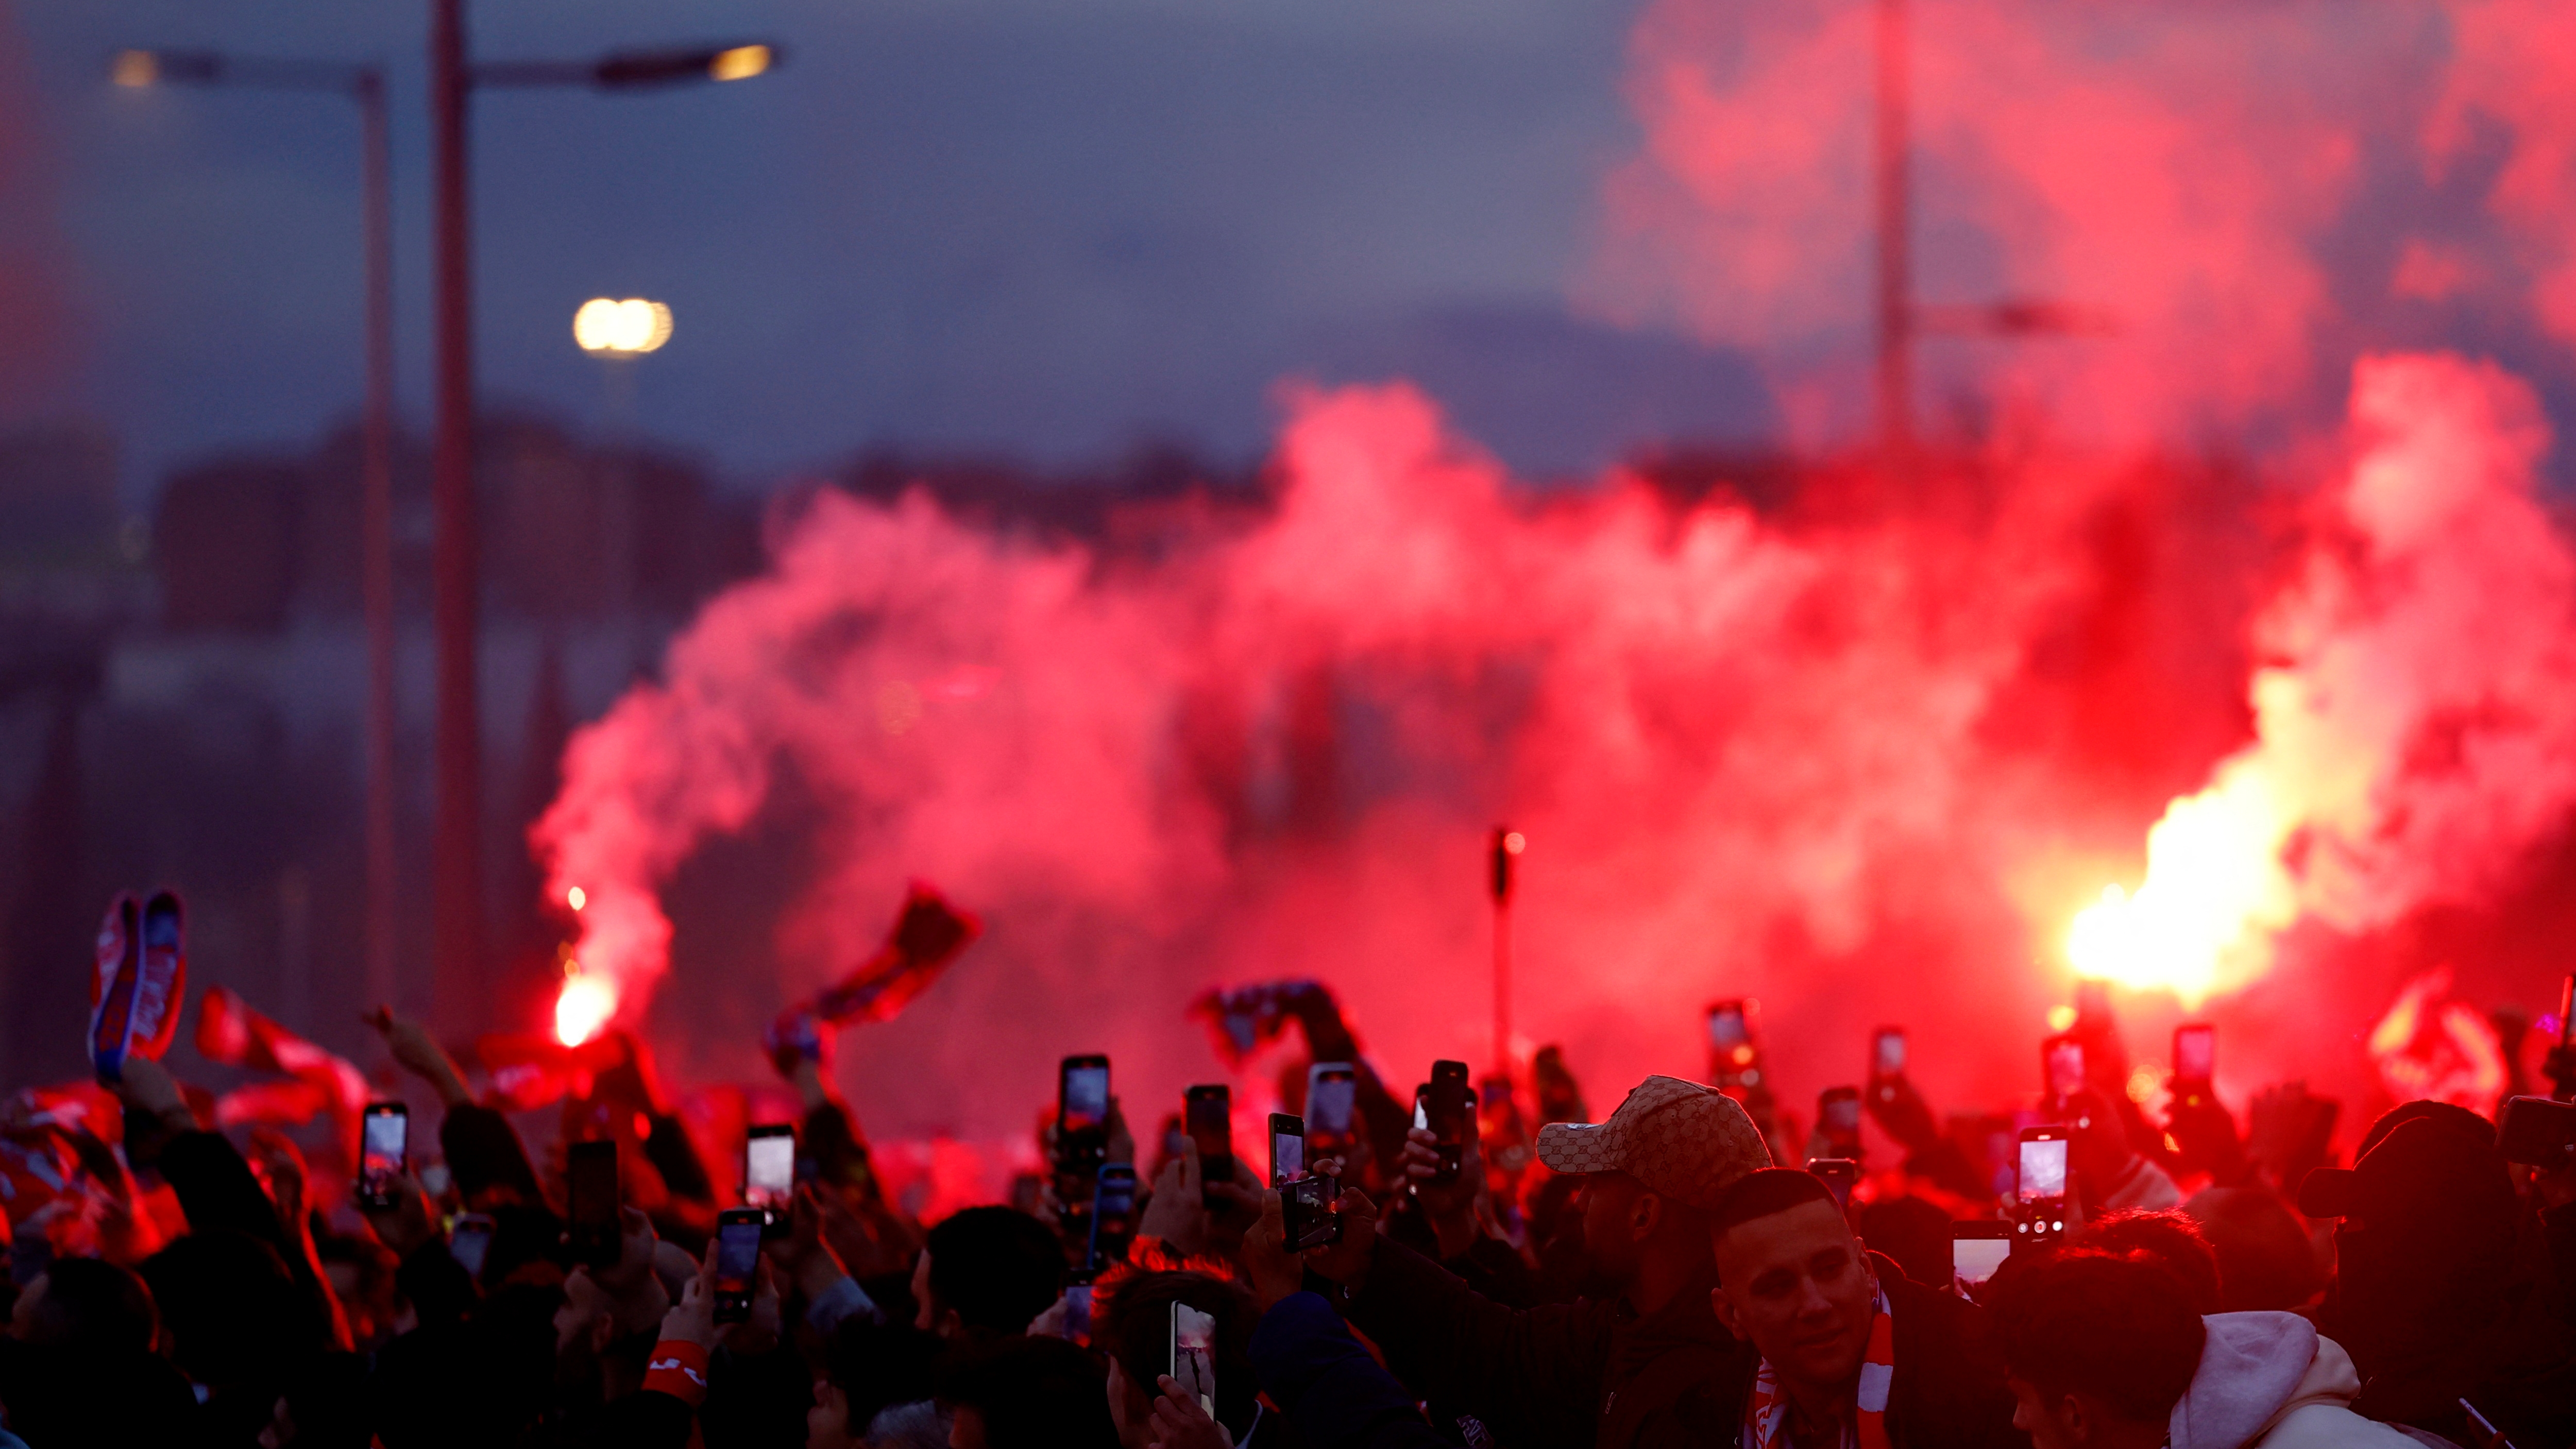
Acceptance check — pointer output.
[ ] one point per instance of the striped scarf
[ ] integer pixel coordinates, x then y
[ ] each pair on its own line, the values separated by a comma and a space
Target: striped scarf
1766, 1413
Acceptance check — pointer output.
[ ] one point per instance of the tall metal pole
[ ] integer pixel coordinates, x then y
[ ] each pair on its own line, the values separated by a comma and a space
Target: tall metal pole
1506, 845
1895, 237
377, 493
457, 877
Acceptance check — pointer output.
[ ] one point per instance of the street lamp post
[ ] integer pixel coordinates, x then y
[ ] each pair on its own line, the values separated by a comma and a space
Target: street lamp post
457, 874
366, 85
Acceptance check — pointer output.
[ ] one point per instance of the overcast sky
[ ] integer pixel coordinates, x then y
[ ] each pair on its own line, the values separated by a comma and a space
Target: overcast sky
1050, 229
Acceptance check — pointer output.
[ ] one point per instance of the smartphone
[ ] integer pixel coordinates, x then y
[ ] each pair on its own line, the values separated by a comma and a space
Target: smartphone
384, 1146
2195, 1055
1332, 1096
1192, 1361
1839, 1173
1730, 1041
1977, 1249
1838, 1115
1208, 1113
2039, 1185
769, 1167
1077, 1312
591, 1195
2061, 1060
1113, 1213
2537, 1132
1887, 1052
737, 1261
1305, 1201
469, 1242
1446, 1116
1082, 1113
1287, 1149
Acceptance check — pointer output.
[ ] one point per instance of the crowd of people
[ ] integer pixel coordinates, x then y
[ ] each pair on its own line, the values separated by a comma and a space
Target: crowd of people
1670, 1274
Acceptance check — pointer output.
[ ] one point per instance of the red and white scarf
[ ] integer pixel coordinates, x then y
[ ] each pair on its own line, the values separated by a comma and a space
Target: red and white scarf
1766, 1413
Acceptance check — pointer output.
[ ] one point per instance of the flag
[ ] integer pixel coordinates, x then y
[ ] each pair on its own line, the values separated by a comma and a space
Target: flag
229, 1032
1243, 1019
928, 934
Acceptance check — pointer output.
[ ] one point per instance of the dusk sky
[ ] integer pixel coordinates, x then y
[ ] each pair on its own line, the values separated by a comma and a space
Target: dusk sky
978, 225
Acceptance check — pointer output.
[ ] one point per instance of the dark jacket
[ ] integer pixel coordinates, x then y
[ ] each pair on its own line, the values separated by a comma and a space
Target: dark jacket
1557, 1374
1326, 1384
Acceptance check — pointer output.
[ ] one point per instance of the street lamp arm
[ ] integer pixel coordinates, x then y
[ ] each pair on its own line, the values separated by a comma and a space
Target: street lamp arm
627, 70
136, 68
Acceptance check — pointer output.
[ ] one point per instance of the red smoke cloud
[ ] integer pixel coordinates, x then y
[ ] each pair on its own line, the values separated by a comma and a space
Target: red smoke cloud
1863, 755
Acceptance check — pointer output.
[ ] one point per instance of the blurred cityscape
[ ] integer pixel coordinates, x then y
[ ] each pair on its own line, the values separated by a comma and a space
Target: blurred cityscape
182, 688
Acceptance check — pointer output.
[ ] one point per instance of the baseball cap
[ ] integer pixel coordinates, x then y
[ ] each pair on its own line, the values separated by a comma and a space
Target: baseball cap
1688, 1142
2425, 1174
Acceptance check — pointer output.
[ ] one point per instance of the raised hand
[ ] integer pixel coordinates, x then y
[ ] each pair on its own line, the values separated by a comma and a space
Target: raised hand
1179, 1423
417, 1052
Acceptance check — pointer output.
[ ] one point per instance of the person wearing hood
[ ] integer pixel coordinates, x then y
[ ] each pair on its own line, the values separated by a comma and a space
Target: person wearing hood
2107, 1353
1633, 1366
2430, 1294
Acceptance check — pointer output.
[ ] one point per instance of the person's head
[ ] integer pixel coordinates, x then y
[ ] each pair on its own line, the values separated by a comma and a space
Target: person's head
868, 1367
324, 1407
2425, 1249
232, 1312
986, 1272
2098, 1349
1132, 1327
1792, 1280
85, 1304
1654, 1171
603, 1339
2167, 1236
1915, 1232
1027, 1393
2265, 1260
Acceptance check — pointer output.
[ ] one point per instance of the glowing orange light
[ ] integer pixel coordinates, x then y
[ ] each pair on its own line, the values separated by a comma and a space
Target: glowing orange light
582, 1007
2143, 1084
608, 327
1514, 844
135, 68
2214, 896
576, 898
2060, 1017
740, 63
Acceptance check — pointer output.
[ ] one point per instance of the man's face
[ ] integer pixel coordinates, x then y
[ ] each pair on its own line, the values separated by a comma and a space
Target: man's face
1609, 1226
1796, 1285
2035, 1414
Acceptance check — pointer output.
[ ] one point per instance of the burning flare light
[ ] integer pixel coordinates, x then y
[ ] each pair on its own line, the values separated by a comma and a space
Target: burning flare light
2412, 738
582, 1007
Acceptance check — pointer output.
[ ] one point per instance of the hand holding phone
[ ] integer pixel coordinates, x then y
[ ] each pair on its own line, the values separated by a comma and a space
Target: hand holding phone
1305, 1200
1208, 1114
1192, 1359
769, 1167
1447, 1117
2040, 1184
384, 1153
738, 1233
1082, 1113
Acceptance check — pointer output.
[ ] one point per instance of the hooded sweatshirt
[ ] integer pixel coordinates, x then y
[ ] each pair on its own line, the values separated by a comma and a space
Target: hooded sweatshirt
2269, 1380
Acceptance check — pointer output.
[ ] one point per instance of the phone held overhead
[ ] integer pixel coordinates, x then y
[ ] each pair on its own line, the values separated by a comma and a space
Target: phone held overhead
1306, 1199
384, 1152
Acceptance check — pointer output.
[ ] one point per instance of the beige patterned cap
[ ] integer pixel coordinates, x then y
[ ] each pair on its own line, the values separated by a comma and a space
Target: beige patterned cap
1681, 1139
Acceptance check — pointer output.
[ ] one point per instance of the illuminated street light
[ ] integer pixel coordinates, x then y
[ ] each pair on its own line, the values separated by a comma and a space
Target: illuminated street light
742, 62
609, 328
